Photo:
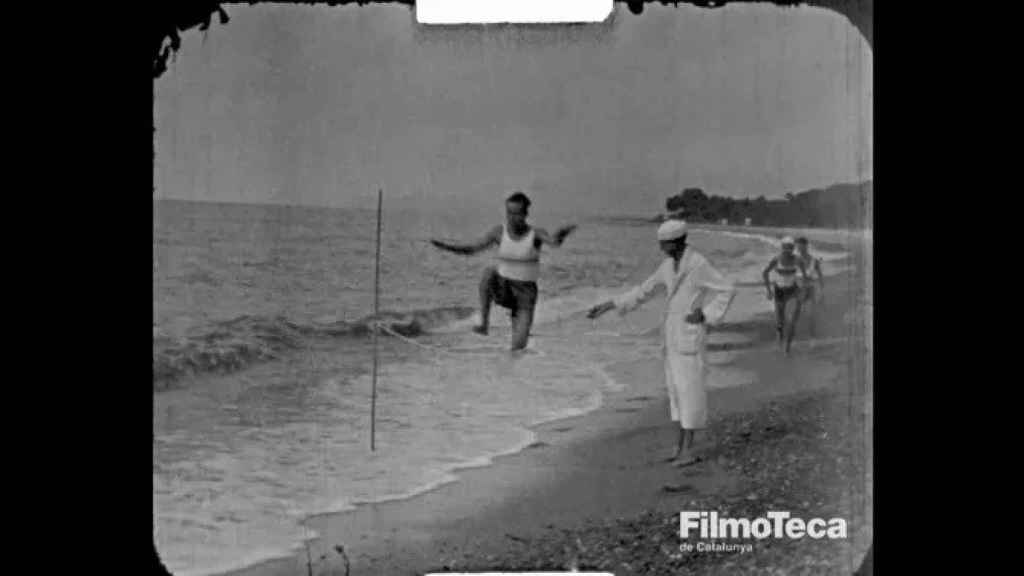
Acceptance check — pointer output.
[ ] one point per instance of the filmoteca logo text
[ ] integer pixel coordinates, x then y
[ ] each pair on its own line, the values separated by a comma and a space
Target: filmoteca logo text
774, 525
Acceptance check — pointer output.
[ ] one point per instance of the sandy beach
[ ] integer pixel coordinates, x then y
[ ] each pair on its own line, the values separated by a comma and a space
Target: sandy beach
594, 493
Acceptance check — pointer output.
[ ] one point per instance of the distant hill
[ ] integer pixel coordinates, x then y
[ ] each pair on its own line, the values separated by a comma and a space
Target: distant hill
838, 206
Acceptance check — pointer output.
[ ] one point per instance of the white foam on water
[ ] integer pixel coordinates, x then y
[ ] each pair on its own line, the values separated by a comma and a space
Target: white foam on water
447, 476
242, 499
514, 436
216, 535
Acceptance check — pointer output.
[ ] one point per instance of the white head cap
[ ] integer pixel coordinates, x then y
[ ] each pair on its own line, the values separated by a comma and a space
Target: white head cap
787, 240
671, 230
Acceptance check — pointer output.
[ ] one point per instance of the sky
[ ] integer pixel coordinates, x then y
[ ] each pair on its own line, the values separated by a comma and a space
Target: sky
320, 105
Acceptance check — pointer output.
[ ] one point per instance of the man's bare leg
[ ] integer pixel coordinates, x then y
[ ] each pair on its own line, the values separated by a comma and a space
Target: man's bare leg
812, 328
521, 324
793, 323
780, 321
485, 301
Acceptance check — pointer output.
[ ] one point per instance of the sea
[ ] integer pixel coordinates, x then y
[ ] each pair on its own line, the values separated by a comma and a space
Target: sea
263, 355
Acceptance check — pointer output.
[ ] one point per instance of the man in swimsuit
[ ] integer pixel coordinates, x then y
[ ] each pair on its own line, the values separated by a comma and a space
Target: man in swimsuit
785, 289
812, 295
513, 283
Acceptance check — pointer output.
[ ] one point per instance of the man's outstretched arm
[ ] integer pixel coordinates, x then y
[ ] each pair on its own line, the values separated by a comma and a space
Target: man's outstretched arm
557, 238
492, 238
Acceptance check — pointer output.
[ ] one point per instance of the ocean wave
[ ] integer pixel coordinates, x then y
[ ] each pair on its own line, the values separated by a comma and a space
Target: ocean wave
826, 250
230, 345
625, 220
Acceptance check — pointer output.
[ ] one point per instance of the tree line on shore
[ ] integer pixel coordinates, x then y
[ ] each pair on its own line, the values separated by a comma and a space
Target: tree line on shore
837, 206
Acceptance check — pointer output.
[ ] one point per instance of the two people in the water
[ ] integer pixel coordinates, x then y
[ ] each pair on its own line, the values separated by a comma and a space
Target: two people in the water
513, 283
790, 291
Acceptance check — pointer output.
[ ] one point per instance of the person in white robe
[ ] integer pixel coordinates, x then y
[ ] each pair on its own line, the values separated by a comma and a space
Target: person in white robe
697, 296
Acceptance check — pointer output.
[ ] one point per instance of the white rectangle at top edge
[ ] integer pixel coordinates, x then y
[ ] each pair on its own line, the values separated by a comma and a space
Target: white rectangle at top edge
512, 11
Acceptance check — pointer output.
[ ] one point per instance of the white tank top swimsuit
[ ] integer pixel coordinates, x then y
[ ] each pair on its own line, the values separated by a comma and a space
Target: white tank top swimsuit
518, 259
785, 277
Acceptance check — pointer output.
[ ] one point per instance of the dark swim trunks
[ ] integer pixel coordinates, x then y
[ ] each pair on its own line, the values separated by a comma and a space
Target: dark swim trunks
784, 293
515, 295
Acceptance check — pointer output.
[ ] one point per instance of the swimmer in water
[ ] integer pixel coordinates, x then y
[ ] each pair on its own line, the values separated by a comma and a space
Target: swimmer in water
785, 288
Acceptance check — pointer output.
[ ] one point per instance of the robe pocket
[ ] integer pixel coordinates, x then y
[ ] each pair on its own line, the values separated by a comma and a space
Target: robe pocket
689, 338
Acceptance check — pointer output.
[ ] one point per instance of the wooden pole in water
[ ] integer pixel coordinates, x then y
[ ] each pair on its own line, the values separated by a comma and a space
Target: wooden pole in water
376, 312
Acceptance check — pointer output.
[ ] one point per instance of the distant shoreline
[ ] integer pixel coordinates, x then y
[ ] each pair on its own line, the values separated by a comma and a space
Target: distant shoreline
484, 207
866, 233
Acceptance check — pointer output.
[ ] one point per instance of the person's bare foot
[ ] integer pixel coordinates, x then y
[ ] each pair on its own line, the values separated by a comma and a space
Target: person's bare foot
480, 330
686, 460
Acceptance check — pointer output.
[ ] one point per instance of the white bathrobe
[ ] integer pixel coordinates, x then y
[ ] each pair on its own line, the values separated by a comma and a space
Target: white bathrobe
696, 285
